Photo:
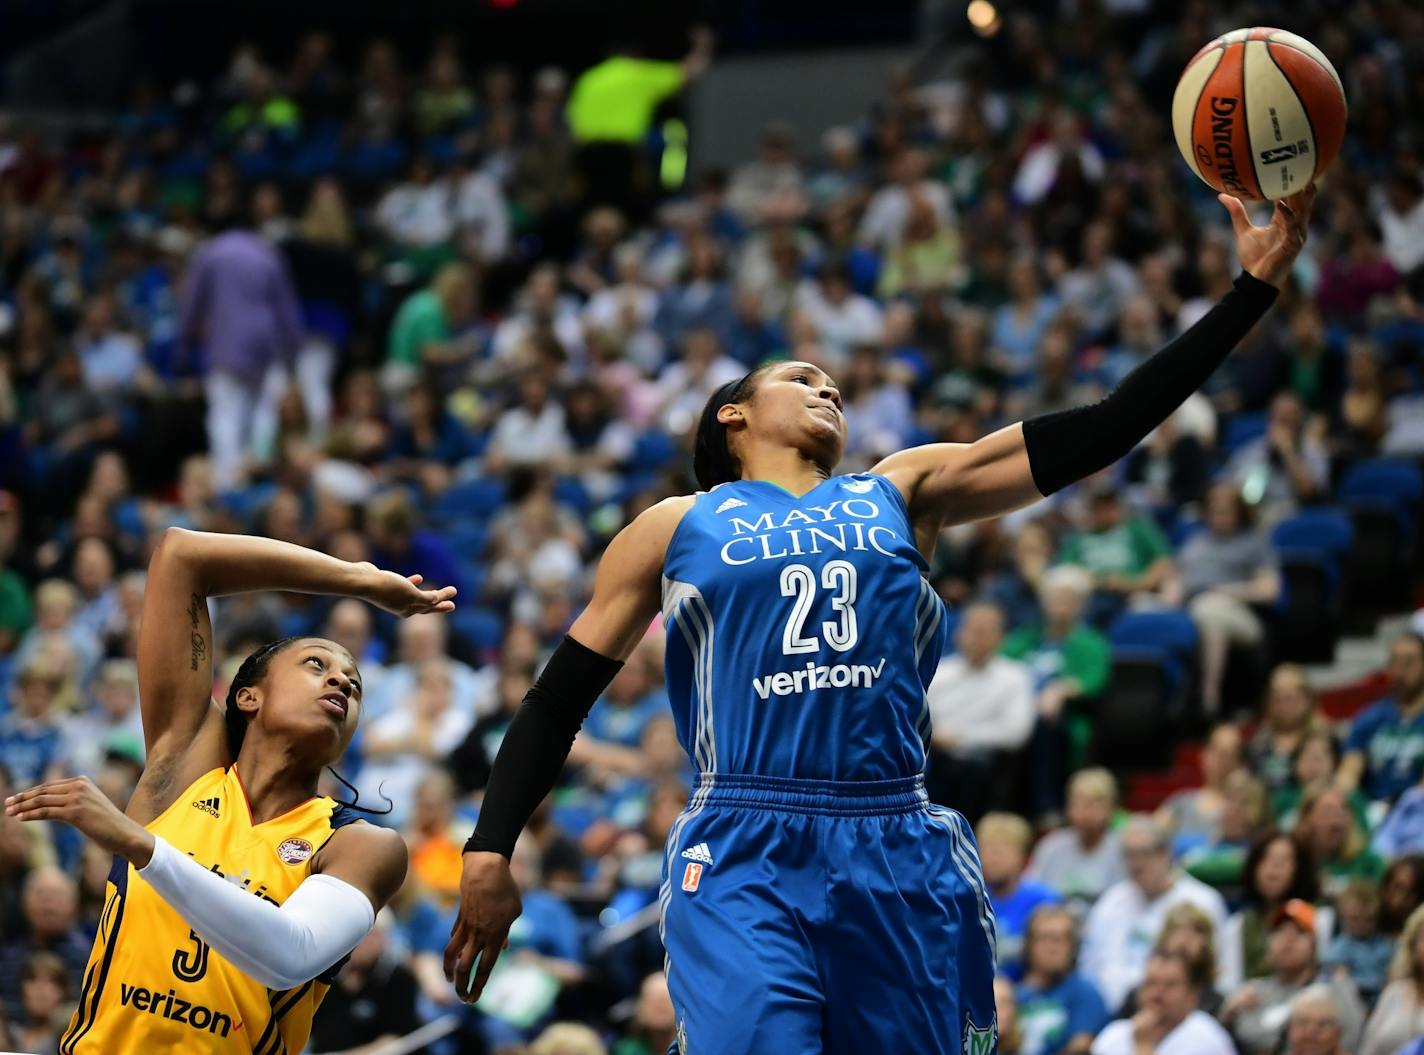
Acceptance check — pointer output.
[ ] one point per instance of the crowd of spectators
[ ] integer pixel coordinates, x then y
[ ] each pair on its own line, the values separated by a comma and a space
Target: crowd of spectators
410, 313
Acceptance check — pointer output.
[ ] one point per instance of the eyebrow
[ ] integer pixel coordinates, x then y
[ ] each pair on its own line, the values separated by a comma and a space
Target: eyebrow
808, 368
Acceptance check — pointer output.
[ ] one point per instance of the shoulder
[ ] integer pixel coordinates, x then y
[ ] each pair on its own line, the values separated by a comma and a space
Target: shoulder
377, 853
1200, 1024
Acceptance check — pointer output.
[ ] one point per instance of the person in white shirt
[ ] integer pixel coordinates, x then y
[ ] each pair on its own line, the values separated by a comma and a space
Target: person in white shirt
981, 705
1125, 922
418, 212
883, 226
842, 317
1401, 220
1167, 1021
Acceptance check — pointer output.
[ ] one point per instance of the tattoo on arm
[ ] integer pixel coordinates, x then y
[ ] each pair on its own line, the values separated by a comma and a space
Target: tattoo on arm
199, 646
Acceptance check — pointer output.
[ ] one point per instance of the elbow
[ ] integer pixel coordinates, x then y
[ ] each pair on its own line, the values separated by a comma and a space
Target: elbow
172, 546
275, 978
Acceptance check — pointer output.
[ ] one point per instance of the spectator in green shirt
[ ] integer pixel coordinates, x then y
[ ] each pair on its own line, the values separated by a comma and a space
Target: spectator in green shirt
1070, 663
1126, 554
424, 335
16, 612
1332, 833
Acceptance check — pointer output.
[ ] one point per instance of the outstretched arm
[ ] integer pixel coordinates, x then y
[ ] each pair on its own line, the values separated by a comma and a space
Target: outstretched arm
281, 946
175, 642
626, 596
1014, 467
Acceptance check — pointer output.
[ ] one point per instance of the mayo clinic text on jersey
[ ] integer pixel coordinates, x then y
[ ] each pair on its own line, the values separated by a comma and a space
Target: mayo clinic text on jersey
799, 533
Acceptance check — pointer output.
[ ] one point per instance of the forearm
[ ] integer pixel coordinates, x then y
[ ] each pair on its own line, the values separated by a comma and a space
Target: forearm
279, 946
227, 564
534, 749
1069, 445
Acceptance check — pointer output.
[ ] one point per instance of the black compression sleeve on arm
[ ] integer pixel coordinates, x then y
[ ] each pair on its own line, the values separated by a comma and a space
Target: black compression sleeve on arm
538, 741
1071, 444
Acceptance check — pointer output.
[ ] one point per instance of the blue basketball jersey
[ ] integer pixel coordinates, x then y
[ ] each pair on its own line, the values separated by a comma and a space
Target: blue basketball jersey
801, 632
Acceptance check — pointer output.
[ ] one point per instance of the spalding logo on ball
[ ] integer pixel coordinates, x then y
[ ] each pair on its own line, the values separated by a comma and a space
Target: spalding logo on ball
1259, 113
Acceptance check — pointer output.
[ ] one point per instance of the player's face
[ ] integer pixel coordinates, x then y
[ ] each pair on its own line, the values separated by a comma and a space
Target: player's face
313, 690
795, 404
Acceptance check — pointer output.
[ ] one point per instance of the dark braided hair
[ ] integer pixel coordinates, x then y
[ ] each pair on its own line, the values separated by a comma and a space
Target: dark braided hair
712, 460
252, 671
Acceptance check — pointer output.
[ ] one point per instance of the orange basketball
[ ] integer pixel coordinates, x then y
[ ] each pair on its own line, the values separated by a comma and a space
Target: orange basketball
1259, 113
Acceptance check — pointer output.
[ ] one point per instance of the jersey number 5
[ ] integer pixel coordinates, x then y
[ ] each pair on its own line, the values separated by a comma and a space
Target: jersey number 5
799, 581
191, 964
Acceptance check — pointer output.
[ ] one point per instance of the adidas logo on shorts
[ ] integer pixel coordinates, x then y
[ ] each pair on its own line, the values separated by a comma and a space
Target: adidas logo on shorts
699, 853
209, 806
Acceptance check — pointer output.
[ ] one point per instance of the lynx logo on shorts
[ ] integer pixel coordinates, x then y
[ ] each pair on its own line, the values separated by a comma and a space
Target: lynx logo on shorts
691, 876
980, 1041
295, 851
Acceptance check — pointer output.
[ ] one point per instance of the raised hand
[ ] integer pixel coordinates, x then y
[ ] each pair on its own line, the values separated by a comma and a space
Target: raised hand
401, 594
489, 905
1268, 252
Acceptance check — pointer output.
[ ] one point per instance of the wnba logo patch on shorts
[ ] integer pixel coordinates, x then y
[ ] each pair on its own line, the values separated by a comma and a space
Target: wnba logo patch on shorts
294, 851
691, 876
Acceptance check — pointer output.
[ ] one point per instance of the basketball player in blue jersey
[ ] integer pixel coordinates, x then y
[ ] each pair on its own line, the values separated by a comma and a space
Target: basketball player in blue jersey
813, 900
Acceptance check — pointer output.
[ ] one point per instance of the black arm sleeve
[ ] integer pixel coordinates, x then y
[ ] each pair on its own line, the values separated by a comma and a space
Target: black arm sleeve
1071, 444
537, 744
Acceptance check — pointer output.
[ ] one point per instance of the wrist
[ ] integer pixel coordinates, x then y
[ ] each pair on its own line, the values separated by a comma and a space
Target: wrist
483, 852
142, 848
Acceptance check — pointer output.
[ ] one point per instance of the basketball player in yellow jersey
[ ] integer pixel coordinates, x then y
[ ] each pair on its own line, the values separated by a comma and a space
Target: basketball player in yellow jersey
236, 891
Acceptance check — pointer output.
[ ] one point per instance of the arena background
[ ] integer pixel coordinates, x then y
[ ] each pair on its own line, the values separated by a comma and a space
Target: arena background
494, 334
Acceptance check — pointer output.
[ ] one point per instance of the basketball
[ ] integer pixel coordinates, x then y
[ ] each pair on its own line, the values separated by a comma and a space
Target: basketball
1259, 113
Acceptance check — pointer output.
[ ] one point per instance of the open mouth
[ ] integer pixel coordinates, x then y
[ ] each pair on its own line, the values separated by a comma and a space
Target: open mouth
334, 702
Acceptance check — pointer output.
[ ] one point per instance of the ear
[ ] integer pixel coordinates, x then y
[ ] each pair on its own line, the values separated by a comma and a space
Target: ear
249, 699
731, 413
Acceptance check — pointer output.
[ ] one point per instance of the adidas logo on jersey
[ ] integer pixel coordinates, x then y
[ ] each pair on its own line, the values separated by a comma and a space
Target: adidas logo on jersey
700, 853
860, 487
731, 503
209, 806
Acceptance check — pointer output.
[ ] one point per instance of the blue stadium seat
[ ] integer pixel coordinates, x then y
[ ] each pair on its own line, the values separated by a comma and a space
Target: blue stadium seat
1385, 481
569, 490
1241, 429
482, 628
468, 538
470, 499
652, 451
1168, 638
1328, 531
1172, 631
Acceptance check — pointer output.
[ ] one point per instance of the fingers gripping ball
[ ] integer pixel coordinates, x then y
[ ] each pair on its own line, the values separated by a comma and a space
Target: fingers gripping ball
1259, 113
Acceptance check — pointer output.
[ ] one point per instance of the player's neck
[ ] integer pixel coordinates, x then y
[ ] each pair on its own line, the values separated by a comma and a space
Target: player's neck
273, 782
785, 467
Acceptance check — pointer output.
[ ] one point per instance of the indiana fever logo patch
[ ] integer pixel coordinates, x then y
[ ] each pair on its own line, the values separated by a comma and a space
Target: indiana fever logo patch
295, 851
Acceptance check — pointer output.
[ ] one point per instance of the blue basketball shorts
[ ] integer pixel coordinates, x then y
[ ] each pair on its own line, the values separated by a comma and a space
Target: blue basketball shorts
826, 918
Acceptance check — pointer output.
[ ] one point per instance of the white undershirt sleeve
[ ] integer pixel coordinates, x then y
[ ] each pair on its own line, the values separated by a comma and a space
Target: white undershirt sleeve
281, 947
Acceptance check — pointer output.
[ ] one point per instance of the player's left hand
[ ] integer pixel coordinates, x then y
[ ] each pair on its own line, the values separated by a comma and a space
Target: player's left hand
1268, 252
79, 803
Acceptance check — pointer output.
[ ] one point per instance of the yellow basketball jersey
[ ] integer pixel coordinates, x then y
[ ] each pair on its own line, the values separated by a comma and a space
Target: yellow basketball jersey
151, 985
